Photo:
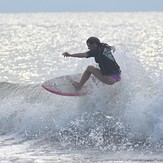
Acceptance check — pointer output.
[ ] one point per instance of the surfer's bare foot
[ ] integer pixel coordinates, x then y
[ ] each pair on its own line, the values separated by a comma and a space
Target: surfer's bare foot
76, 86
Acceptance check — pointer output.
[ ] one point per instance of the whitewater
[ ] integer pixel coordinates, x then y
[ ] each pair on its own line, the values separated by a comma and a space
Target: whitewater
118, 123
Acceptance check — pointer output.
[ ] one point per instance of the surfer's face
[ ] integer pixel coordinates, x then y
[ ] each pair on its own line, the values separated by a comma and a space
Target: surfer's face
91, 45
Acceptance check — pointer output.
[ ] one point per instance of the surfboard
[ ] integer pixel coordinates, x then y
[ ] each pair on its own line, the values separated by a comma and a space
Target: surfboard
62, 85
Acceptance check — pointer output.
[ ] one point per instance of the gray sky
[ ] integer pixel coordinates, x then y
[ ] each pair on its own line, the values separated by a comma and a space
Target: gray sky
80, 5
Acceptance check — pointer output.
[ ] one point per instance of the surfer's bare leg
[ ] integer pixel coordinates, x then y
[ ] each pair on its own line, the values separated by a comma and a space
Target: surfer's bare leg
97, 73
84, 78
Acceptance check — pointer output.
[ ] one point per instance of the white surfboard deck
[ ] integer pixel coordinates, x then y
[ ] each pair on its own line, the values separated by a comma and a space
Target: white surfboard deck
63, 85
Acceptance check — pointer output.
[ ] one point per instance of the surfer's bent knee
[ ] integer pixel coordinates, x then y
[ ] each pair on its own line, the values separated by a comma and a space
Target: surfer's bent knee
90, 68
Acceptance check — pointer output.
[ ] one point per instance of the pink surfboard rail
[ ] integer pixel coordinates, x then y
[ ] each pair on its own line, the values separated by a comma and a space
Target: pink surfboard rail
78, 93
62, 85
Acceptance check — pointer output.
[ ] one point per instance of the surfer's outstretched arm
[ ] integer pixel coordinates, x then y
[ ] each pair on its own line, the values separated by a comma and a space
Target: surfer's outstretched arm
78, 55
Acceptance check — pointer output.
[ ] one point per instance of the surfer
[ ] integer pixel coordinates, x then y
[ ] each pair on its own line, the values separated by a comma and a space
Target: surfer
108, 72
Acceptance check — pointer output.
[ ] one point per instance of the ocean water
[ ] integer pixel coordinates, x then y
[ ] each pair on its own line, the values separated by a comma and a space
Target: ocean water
119, 123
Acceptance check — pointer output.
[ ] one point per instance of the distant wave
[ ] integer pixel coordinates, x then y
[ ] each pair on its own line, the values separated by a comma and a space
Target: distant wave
29, 92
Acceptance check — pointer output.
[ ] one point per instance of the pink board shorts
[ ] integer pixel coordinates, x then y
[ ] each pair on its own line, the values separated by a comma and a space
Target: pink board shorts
117, 77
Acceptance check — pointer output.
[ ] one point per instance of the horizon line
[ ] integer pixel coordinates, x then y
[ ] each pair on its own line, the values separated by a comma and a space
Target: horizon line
5, 12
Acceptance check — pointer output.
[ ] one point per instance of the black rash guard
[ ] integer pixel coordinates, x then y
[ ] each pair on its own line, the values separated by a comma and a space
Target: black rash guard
103, 56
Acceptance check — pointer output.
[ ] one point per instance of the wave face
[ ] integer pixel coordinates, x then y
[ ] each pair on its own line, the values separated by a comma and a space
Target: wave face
111, 118
126, 116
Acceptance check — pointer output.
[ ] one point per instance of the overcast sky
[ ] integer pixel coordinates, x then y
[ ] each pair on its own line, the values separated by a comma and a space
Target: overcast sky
80, 5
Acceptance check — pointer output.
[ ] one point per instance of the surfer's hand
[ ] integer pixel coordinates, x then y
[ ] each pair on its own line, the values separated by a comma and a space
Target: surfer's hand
66, 54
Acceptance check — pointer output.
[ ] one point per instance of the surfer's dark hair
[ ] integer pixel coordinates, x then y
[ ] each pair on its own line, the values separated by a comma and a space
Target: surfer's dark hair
93, 40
